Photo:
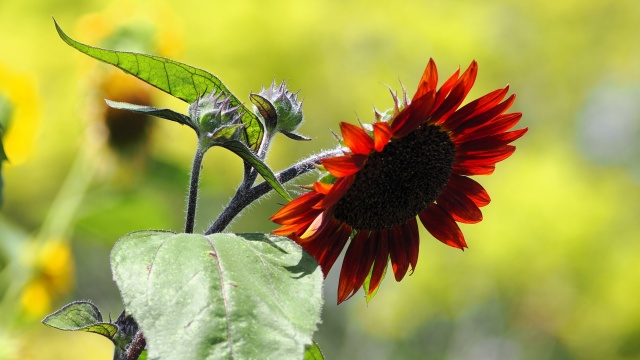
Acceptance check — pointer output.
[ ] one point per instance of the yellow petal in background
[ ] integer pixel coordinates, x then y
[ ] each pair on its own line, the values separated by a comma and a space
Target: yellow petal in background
21, 91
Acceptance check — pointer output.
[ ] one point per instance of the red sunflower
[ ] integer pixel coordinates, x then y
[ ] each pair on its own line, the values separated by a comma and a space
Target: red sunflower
412, 163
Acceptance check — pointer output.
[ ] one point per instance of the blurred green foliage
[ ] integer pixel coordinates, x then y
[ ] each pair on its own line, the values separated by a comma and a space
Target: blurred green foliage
551, 272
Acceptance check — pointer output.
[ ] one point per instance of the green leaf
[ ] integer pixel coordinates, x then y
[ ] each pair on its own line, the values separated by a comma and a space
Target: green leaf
312, 352
84, 316
222, 296
225, 133
158, 112
247, 155
297, 137
180, 80
80, 316
368, 297
266, 110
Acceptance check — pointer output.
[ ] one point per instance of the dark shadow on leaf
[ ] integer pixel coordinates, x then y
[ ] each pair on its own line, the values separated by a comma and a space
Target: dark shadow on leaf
307, 265
262, 238
302, 270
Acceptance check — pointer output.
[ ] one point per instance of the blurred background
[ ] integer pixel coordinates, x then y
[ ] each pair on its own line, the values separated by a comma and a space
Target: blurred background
552, 272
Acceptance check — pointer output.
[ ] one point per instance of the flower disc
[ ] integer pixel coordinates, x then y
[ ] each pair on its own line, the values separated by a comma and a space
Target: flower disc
400, 181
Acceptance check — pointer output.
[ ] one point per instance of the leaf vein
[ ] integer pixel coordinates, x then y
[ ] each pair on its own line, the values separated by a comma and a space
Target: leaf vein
273, 288
225, 300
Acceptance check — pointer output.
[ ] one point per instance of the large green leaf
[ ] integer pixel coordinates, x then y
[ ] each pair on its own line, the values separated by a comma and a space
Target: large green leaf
180, 80
222, 296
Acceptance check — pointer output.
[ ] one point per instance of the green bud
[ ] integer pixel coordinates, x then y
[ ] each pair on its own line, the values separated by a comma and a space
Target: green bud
287, 108
216, 119
213, 111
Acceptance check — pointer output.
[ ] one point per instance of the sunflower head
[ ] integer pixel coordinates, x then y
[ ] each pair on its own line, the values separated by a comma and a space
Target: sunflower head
412, 163
126, 131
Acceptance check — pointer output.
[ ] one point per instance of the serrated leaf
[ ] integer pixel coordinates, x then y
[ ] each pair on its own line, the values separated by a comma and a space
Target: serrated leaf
221, 296
312, 352
247, 155
177, 79
167, 114
297, 137
266, 110
80, 316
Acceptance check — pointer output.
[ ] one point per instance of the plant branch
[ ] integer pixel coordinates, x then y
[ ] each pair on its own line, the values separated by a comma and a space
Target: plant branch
250, 174
244, 196
136, 347
193, 191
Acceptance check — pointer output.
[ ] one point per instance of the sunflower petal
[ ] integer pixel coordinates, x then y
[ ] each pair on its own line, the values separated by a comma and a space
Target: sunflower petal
445, 89
351, 278
381, 260
442, 226
317, 225
457, 95
341, 166
483, 158
497, 125
429, 80
327, 245
412, 241
381, 135
356, 138
468, 170
337, 191
459, 206
491, 142
471, 188
417, 113
474, 108
397, 252
460, 124
296, 208
322, 188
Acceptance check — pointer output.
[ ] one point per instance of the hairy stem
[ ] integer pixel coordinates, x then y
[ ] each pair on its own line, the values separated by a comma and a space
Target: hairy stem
136, 347
250, 173
193, 191
244, 196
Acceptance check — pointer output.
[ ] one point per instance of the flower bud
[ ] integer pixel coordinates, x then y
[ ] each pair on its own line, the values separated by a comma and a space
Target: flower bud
286, 105
212, 112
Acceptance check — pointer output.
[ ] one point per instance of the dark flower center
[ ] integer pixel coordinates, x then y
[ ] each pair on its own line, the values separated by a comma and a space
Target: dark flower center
396, 184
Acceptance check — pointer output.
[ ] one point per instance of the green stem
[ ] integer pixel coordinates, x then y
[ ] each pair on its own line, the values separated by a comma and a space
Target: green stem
193, 191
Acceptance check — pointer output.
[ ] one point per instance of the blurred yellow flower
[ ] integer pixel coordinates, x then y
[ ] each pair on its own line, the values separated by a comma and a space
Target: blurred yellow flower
148, 27
21, 92
52, 269
35, 299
